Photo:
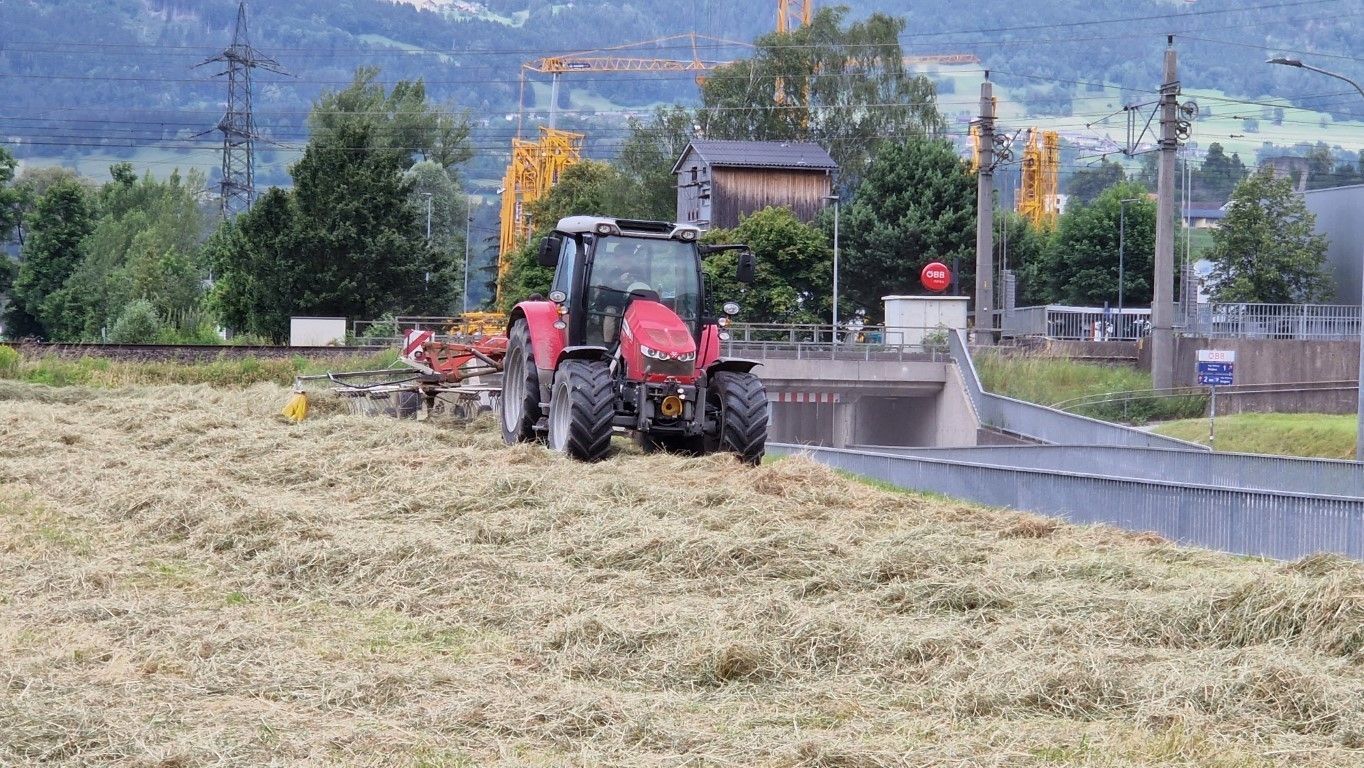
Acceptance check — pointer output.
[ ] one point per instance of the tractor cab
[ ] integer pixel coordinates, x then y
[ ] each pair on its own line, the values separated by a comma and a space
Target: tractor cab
601, 267
625, 342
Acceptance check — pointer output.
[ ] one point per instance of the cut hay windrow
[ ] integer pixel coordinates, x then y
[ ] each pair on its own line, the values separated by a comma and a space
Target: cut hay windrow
187, 580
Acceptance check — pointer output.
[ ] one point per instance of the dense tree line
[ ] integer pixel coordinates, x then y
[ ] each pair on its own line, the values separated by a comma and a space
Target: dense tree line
89, 253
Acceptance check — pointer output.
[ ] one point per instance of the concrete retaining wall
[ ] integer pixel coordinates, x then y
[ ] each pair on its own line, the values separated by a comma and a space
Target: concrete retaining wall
1268, 361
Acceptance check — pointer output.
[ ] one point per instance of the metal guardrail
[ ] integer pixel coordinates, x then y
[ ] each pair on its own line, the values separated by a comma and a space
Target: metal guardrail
1225, 320
1321, 322
1280, 524
1075, 323
1240, 470
1048, 425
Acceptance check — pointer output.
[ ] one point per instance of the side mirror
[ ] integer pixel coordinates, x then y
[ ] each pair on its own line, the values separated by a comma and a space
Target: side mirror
748, 267
549, 251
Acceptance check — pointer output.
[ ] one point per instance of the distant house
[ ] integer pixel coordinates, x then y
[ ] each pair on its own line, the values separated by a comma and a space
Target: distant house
719, 181
1203, 215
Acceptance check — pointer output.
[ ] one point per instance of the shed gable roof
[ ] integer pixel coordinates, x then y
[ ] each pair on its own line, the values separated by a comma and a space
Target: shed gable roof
795, 155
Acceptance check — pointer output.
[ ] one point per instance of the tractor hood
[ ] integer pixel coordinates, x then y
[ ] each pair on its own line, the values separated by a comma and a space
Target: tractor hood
655, 341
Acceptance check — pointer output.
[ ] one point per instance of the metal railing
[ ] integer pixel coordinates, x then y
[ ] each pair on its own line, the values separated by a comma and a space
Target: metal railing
1240, 470
820, 342
1321, 322
1048, 425
1248, 521
1075, 323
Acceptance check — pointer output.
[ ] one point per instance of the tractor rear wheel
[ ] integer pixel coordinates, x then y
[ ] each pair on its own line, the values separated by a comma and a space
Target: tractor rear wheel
740, 402
520, 388
581, 409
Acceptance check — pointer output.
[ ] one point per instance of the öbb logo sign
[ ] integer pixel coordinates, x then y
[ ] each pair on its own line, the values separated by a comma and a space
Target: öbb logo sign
936, 277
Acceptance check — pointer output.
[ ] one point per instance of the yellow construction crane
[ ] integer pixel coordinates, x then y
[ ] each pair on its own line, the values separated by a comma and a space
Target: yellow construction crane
784, 15
784, 27
535, 166
1038, 194
614, 59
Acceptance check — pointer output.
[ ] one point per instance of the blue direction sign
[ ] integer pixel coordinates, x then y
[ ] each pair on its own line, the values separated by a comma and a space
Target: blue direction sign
1216, 367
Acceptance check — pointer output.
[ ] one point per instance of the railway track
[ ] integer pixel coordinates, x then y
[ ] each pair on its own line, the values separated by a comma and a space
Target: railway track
183, 353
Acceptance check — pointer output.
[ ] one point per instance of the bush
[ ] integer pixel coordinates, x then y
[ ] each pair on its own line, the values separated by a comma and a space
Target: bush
9, 362
137, 324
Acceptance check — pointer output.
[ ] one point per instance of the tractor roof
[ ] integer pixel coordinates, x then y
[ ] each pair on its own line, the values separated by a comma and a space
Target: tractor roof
632, 227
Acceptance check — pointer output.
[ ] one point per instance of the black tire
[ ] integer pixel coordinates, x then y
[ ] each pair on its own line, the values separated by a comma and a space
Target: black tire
581, 409
740, 403
520, 401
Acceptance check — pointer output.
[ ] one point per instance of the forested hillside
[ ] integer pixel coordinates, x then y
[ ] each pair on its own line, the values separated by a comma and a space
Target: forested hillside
118, 77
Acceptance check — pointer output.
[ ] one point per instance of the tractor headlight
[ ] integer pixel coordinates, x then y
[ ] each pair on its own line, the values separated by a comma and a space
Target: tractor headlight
731, 307
686, 357
722, 321
655, 354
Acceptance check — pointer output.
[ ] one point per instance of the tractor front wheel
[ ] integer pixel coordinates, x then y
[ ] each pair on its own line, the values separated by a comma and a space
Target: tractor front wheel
520, 388
740, 403
581, 409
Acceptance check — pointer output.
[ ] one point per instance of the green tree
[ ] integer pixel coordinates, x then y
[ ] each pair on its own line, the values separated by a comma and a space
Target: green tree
138, 323
1022, 250
1266, 249
61, 221
648, 155
11, 198
400, 119
1086, 184
1218, 175
349, 240
362, 246
1080, 265
916, 204
259, 263
795, 269
448, 219
845, 88
146, 244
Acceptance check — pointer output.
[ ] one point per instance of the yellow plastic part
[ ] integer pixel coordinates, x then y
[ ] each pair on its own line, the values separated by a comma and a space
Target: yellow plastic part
296, 409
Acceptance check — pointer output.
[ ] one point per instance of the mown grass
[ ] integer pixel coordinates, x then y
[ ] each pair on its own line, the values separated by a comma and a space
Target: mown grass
1284, 434
223, 371
217, 587
1103, 391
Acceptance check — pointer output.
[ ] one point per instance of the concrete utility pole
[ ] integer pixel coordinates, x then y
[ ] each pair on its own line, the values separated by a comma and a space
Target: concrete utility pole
1163, 300
985, 188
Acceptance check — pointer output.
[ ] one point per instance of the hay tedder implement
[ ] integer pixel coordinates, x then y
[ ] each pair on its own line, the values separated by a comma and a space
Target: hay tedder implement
627, 341
456, 375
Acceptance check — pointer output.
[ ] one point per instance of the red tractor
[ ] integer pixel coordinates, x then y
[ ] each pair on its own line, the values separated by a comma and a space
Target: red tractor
627, 341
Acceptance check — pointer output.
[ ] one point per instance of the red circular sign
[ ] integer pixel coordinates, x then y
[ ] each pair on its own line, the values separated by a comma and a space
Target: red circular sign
936, 277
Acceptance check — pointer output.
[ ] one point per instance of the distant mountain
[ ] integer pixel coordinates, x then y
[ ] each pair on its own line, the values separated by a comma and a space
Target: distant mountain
84, 81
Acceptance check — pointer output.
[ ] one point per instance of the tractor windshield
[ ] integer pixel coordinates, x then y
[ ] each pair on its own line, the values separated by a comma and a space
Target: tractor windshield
620, 265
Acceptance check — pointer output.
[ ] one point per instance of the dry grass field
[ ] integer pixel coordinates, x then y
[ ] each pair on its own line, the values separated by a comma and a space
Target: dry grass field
186, 580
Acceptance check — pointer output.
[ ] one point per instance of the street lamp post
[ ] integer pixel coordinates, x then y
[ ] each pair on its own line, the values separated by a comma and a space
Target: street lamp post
835, 200
427, 195
1359, 422
468, 229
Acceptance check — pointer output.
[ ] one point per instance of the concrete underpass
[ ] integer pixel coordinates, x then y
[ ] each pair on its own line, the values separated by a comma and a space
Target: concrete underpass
841, 403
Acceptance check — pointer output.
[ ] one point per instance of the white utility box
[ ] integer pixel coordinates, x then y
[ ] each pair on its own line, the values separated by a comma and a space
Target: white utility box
317, 331
910, 318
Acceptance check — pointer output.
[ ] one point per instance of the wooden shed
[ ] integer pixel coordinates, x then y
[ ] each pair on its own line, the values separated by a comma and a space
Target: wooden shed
719, 181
